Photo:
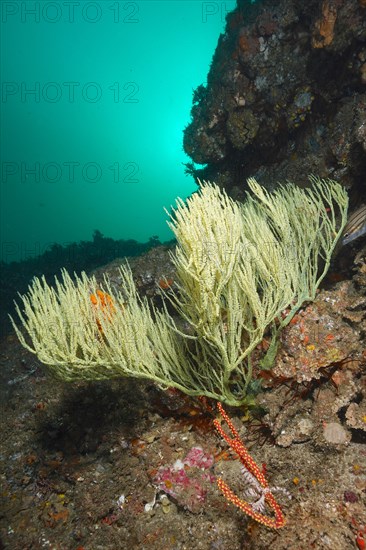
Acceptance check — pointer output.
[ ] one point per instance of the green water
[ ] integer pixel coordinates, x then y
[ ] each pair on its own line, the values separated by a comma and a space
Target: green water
95, 97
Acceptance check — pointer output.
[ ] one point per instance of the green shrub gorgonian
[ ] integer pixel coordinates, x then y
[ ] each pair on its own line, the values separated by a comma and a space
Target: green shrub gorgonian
238, 268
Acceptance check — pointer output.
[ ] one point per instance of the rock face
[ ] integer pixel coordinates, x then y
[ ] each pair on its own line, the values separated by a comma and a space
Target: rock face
285, 96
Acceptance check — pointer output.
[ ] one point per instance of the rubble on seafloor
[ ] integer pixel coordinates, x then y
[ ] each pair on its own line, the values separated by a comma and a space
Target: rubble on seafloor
320, 370
124, 460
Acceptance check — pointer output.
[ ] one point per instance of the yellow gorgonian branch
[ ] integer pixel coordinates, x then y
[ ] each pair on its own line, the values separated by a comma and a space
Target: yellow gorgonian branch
238, 268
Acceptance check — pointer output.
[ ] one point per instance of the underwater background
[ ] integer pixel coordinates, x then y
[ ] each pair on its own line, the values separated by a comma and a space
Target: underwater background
95, 97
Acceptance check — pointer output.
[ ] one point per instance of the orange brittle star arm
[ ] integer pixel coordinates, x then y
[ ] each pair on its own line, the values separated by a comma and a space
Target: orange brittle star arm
253, 469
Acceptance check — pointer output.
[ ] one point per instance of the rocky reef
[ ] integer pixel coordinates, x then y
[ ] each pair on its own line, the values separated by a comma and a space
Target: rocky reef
285, 97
